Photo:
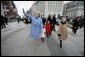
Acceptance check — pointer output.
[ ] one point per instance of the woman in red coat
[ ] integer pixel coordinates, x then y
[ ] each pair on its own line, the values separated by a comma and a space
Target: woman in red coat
48, 28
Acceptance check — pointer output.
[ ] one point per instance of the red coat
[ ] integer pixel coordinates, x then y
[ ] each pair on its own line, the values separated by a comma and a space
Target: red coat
48, 28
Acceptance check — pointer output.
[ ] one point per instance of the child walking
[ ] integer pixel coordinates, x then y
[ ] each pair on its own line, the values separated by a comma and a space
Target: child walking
62, 31
48, 28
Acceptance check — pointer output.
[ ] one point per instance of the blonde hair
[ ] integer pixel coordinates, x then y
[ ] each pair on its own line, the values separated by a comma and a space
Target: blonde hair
37, 12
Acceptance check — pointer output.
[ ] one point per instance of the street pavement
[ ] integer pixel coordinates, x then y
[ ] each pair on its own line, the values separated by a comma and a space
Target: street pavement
16, 41
74, 45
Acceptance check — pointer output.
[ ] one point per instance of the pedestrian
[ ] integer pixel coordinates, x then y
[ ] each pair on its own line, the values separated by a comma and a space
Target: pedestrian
43, 20
80, 22
50, 21
54, 22
6, 20
18, 20
62, 31
36, 26
48, 28
3, 22
43, 34
75, 25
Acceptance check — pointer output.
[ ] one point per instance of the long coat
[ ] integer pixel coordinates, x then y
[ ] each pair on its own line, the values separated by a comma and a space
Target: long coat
43, 20
36, 26
48, 28
63, 31
54, 20
75, 24
49, 19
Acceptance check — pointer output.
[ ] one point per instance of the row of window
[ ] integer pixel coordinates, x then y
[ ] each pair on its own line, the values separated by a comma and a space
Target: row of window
73, 14
54, 10
75, 5
54, 2
40, 7
54, 7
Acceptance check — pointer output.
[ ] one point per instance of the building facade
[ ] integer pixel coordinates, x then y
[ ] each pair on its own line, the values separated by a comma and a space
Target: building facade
74, 9
29, 11
8, 9
48, 7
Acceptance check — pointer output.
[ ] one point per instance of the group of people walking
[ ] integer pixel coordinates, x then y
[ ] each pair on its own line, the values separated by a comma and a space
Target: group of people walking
49, 24
42, 26
4, 22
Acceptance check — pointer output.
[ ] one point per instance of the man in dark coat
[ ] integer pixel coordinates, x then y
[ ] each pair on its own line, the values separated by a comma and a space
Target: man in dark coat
53, 22
3, 22
18, 20
43, 20
80, 22
6, 20
49, 19
75, 25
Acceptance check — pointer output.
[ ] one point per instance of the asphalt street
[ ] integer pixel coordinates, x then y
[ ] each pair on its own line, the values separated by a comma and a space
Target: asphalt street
15, 41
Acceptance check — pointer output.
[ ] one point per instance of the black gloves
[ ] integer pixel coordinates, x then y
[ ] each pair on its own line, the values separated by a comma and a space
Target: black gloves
59, 34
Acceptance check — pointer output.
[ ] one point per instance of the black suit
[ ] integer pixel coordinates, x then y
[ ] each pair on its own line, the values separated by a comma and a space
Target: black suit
3, 22
75, 25
43, 20
53, 23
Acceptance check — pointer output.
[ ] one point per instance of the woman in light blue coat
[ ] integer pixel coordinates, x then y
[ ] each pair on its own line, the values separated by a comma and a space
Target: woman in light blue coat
36, 26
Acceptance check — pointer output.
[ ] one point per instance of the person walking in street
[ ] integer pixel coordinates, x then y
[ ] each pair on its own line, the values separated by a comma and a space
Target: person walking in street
62, 31
80, 22
18, 20
6, 20
3, 22
54, 22
50, 22
36, 26
49, 18
75, 25
43, 20
48, 28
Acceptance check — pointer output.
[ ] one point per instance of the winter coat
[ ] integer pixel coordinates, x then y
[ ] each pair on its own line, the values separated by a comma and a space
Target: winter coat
63, 31
48, 28
36, 26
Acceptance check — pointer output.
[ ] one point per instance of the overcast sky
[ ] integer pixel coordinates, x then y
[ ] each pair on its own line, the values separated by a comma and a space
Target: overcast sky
26, 5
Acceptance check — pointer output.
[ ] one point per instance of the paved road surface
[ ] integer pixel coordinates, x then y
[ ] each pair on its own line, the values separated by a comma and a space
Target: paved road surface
15, 41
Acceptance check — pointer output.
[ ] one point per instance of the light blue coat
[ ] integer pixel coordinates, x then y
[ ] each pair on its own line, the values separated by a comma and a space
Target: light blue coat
36, 26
